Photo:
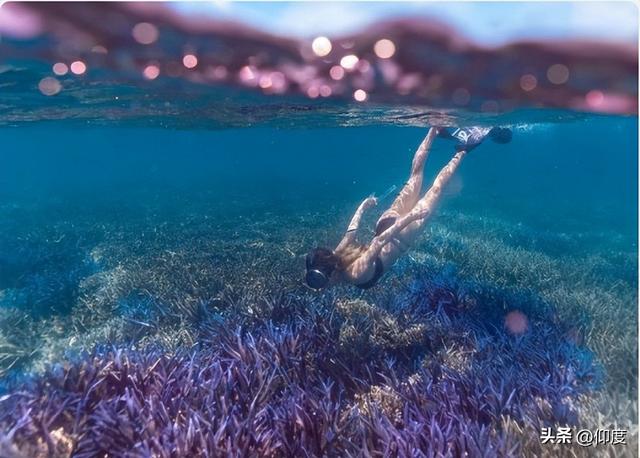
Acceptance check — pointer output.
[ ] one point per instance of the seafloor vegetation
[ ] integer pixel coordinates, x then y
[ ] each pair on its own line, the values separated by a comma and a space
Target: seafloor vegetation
195, 337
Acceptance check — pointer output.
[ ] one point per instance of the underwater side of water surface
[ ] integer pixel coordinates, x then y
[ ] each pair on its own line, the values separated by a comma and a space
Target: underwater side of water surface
579, 175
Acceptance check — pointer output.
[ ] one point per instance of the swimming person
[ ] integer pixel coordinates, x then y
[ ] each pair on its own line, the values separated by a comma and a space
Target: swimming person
400, 224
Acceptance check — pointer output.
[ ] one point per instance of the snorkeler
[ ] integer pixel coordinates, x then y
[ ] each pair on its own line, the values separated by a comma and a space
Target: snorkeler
400, 224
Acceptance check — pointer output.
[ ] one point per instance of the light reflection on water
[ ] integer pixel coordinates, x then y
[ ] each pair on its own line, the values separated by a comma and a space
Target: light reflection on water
118, 62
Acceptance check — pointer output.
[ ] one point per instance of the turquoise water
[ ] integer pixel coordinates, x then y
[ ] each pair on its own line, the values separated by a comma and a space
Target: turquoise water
163, 178
562, 189
578, 176
139, 237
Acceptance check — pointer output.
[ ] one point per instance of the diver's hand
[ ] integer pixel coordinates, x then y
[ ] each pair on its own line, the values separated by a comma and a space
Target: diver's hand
369, 202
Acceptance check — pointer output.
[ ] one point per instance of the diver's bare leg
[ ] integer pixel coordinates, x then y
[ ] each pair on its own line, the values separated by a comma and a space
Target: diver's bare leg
425, 206
409, 225
410, 193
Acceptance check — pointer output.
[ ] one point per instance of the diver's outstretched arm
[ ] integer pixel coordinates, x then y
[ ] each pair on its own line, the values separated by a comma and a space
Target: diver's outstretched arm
422, 210
350, 235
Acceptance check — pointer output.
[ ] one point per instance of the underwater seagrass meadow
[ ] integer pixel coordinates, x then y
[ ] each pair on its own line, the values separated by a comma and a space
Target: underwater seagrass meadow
161, 185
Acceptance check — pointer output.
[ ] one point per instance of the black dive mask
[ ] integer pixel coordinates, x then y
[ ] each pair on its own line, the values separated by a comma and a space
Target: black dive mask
316, 278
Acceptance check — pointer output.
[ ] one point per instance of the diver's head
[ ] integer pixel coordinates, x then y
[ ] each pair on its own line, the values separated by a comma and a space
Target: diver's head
322, 263
501, 134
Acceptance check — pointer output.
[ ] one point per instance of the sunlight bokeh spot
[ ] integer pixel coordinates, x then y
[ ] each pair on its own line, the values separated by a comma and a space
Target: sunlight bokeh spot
49, 86
349, 61
594, 98
360, 95
325, 90
151, 72
384, 48
321, 46
313, 91
558, 74
60, 68
516, 322
190, 61
78, 67
336, 72
528, 82
145, 33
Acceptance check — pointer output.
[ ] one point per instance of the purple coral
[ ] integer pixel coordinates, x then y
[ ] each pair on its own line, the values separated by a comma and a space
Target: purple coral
290, 390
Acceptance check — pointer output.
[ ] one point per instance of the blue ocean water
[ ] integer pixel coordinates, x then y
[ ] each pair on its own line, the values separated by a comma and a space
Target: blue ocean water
163, 178
557, 176
133, 236
575, 178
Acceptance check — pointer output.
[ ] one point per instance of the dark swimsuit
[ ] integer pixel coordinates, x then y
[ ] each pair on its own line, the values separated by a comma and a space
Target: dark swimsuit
382, 226
376, 274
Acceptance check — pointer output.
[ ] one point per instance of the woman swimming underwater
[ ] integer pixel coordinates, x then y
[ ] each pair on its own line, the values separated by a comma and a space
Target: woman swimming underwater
400, 224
